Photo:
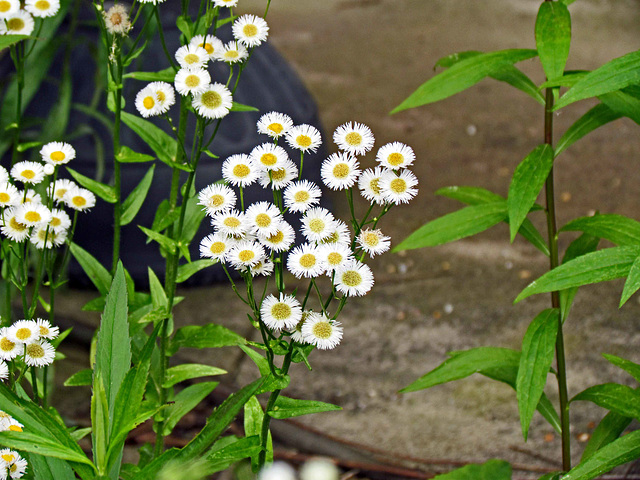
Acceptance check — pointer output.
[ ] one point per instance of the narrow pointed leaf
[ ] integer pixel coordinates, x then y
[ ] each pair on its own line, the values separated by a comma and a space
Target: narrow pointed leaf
239, 107
8, 40
526, 184
463, 75
628, 366
105, 192
454, 226
594, 118
168, 243
206, 336
609, 428
553, 37
32, 442
158, 296
606, 264
292, 407
583, 244
618, 229
134, 201
632, 284
164, 146
538, 347
98, 275
610, 77
618, 452
80, 379
223, 458
491, 470
166, 75
187, 270
187, 371
185, 401
623, 103
618, 398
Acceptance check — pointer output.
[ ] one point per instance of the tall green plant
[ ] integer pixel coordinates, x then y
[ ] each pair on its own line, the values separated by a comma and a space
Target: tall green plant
616, 85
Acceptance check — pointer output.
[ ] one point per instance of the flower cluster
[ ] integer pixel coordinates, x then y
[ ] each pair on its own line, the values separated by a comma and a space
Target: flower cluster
26, 214
27, 341
11, 463
211, 100
17, 18
253, 239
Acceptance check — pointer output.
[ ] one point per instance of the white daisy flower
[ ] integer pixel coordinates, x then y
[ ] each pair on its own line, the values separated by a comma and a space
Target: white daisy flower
9, 456
24, 331
8, 8
32, 214
296, 335
239, 170
230, 223
165, 95
45, 237
4, 374
12, 228
79, 199
304, 138
369, 184
57, 153
400, 188
211, 44
28, 172
339, 171
317, 224
9, 195
42, 8
373, 242
302, 195
233, 52
18, 23
281, 313
215, 246
281, 240
263, 267
116, 20
30, 196
192, 56
39, 354
264, 218
353, 279
245, 254
395, 155
225, 3
335, 256
7, 422
147, 102
305, 261
274, 124
269, 156
215, 101
339, 235
18, 468
355, 138
60, 221
325, 334
217, 198
60, 188
279, 177
4, 175
8, 348
250, 30
193, 82
46, 330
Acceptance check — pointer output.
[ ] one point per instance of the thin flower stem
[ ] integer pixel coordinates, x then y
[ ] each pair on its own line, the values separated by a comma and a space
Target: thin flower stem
34, 385
18, 61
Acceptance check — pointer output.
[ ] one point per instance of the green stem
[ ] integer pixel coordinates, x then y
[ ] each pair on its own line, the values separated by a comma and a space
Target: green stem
117, 208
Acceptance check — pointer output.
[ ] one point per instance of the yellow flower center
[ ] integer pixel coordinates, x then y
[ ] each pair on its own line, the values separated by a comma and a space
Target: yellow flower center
17, 226
353, 138
217, 248
28, 174
15, 24
56, 222
281, 311
333, 238
250, 30
241, 171
192, 81
301, 196
398, 185
191, 58
79, 201
341, 170
231, 54
232, 222
334, 258
161, 96
278, 174
352, 278
276, 128
35, 351
371, 239
322, 330
4, 197
57, 156
303, 141
6, 345
268, 159
216, 200
23, 334
45, 235
246, 255
44, 331
395, 159
60, 192
42, 5
208, 47
374, 185
5, 6
316, 225
276, 237
116, 18
263, 220
148, 102
8, 457
33, 216
15, 428
211, 99
308, 260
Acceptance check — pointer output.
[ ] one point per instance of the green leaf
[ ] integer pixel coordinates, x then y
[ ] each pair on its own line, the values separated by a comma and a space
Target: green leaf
618, 398
239, 107
187, 270
628, 366
632, 284
79, 379
551, 476
606, 264
166, 75
223, 458
167, 243
463, 75
192, 219
594, 118
526, 184
291, 407
553, 37
206, 336
464, 364
126, 155
623, 104
187, 371
164, 146
609, 428
614, 75
164, 216
158, 296
98, 275
491, 470
46, 468
134, 201
618, 229
538, 348
185, 401
104, 191
32, 442
253, 417
100, 422
8, 40
583, 244
454, 226
618, 452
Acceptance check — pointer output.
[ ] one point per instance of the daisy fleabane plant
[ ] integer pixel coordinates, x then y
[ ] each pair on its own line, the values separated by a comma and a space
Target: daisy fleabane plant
296, 239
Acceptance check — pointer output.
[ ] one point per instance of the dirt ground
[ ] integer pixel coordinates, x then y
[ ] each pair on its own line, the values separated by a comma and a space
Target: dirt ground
360, 59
